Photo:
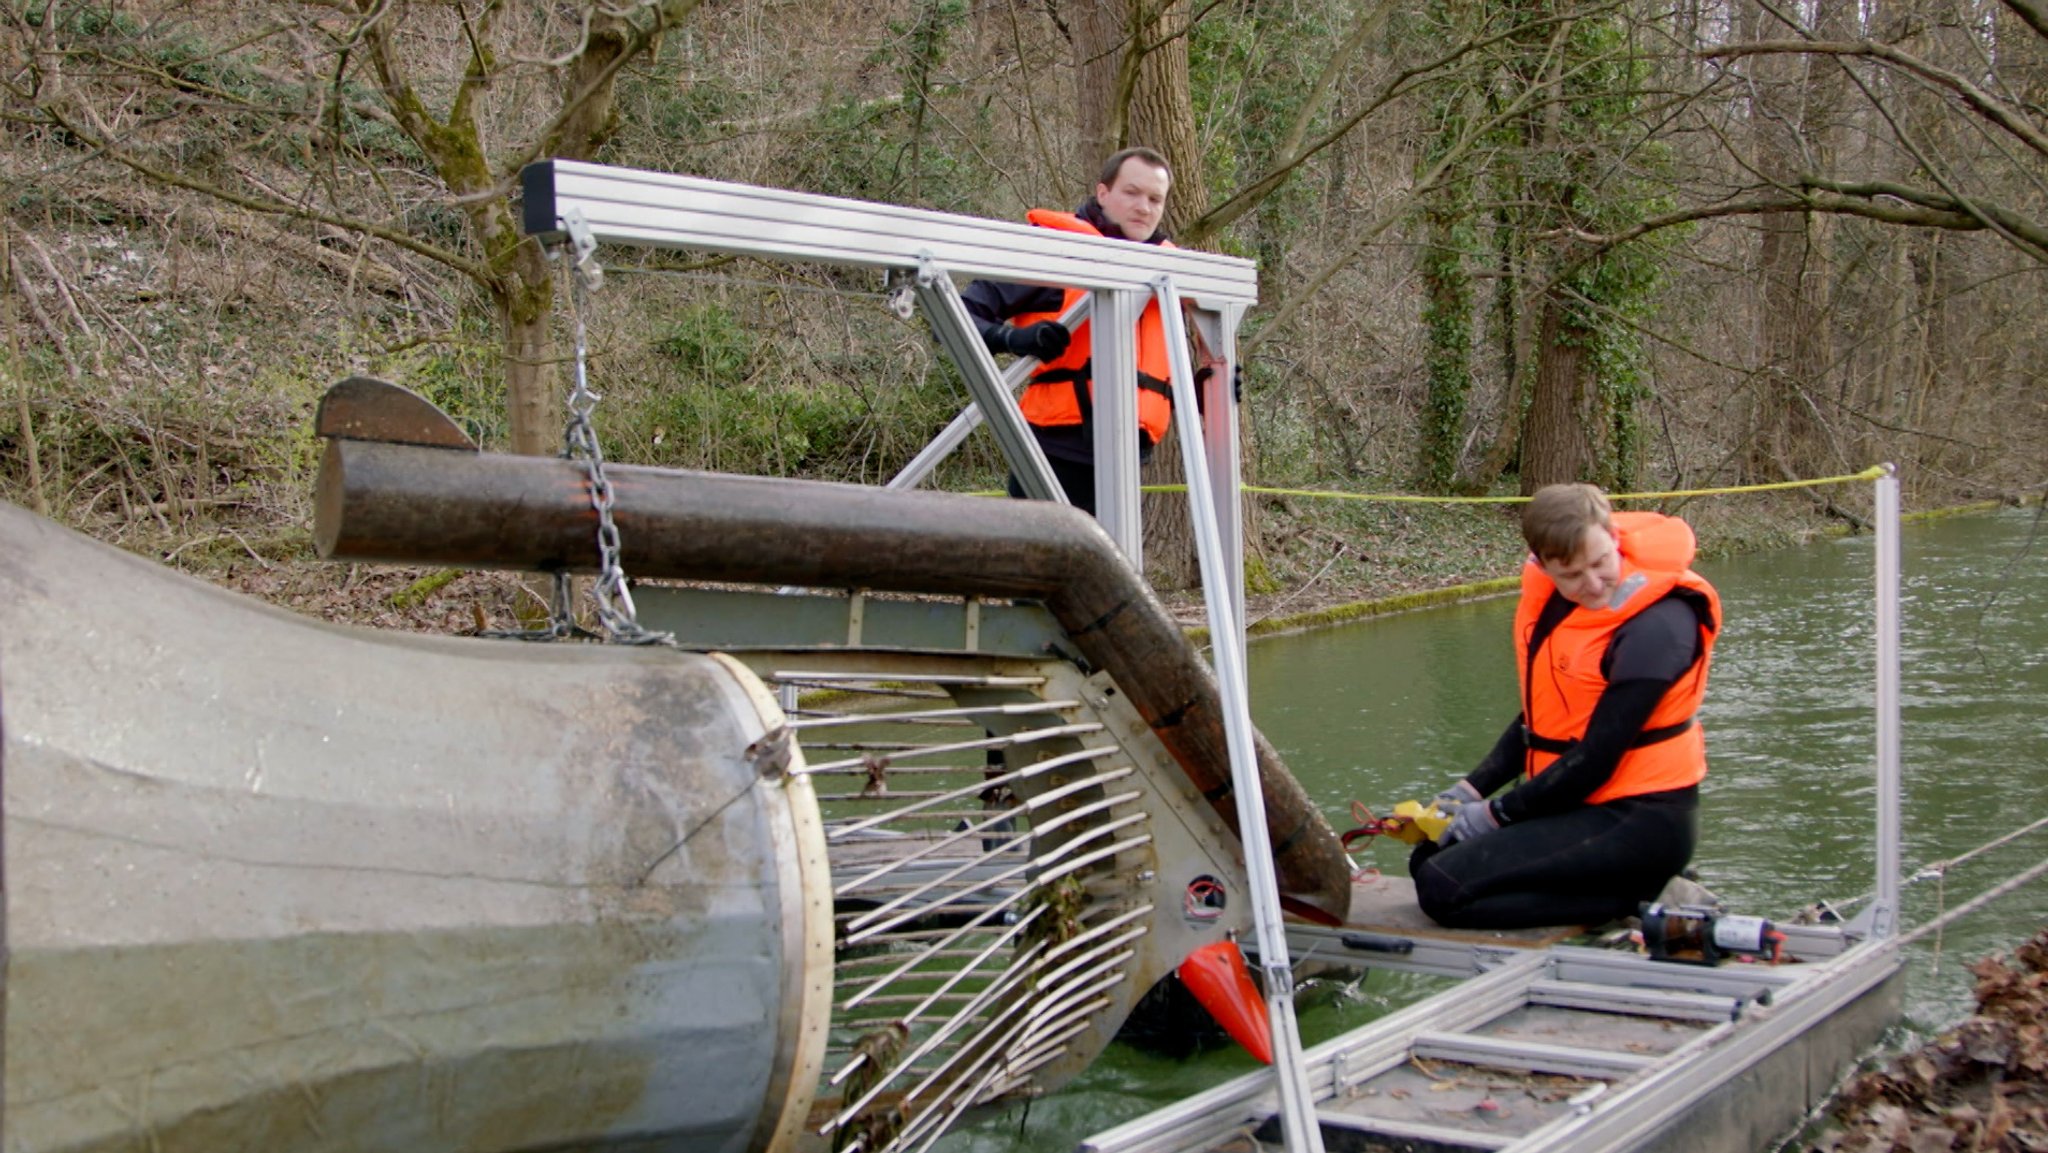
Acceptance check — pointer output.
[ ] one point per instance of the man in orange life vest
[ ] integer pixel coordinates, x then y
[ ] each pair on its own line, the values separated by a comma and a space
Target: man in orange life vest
1613, 636
1129, 203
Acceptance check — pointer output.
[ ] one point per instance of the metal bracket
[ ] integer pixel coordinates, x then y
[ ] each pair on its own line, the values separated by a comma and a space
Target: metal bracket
899, 292
583, 249
856, 617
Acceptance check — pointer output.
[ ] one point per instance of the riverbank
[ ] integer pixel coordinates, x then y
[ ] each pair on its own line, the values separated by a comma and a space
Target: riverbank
1323, 563
1491, 545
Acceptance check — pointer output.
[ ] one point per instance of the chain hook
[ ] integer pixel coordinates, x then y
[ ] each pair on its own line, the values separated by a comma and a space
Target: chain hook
615, 608
583, 249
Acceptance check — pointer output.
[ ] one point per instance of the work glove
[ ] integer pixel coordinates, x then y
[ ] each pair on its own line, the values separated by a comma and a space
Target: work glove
1203, 374
1045, 340
1475, 820
1456, 797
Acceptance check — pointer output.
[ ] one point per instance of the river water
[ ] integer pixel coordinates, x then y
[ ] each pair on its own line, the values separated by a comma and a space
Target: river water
1401, 706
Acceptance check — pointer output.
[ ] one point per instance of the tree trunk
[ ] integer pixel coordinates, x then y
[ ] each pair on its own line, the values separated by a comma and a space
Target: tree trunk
1447, 320
1510, 335
532, 400
1103, 50
1554, 449
1786, 436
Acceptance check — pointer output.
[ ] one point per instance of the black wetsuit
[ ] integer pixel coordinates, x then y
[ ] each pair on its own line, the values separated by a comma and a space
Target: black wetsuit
1557, 860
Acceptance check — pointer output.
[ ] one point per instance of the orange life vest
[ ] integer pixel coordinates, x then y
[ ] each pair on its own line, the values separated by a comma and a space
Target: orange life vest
1062, 390
1560, 671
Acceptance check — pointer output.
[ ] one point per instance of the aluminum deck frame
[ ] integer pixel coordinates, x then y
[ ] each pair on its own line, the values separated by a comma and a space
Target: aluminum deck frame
1805, 1016
1759, 1022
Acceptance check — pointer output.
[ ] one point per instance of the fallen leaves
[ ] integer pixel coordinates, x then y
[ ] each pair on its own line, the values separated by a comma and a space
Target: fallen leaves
1980, 1087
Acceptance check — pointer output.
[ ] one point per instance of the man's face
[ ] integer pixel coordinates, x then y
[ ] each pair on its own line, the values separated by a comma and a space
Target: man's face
1136, 200
1589, 577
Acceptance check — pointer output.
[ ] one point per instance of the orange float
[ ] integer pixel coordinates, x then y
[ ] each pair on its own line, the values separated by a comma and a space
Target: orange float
1216, 975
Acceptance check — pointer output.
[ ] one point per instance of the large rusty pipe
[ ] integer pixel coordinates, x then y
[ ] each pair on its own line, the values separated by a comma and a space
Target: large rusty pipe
411, 504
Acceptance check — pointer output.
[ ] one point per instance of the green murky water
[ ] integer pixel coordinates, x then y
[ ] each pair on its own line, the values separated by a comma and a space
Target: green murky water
1399, 707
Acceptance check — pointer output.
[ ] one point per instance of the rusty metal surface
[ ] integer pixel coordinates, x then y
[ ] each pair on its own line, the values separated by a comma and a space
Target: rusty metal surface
365, 408
274, 884
389, 502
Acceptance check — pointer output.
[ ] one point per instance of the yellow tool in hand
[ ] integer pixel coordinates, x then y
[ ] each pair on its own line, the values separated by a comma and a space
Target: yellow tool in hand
1410, 822
1414, 821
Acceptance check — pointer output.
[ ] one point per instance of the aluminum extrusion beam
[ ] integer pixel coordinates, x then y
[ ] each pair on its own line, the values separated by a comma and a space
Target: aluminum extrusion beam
989, 387
1332, 1066
1115, 357
1296, 1103
1642, 1114
1885, 910
1220, 440
662, 210
1526, 1056
1676, 1005
1407, 1134
955, 434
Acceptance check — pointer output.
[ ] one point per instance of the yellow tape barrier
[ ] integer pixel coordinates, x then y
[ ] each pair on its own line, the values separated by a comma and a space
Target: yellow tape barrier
1872, 473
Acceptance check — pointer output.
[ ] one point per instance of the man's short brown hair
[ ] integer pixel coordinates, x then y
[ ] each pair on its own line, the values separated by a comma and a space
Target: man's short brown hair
1555, 520
1115, 164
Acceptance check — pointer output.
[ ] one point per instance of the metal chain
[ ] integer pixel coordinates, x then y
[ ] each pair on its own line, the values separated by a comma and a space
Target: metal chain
615, 608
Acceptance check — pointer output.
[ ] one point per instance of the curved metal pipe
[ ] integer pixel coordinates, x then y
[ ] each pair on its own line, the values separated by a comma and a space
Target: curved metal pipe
408, 503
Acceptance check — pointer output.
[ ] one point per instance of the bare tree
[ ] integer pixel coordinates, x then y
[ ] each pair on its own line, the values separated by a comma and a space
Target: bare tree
323, 113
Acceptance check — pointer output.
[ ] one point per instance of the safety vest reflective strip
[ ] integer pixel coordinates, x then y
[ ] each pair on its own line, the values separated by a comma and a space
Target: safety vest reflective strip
1062, 390
1561, 680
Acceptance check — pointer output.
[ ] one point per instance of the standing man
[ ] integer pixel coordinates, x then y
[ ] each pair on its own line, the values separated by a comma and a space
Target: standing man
1128, 204
1613, 636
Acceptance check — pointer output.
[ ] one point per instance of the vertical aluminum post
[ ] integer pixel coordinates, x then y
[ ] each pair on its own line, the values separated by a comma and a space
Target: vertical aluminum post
1886, 515
955, 434
1297, 1105
955, 330
1115, 370
1218, 330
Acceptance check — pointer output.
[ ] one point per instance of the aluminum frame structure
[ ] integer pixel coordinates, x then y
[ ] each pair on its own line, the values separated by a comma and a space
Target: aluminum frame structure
1883, 921
1809, 1019
608, 205
592, 204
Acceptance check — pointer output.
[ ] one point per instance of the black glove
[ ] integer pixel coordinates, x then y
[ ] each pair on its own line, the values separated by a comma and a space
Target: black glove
1203, 374
1044, 340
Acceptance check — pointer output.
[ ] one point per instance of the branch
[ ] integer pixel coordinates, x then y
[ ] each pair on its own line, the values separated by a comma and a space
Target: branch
1282, 170
1862, 199
734, 129
1423, 184
402, 239
1935, 172
593, 87
2032, 13
1325, 83
1973, 97
1940, 207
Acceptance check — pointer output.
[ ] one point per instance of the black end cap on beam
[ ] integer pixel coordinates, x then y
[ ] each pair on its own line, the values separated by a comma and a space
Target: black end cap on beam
537, 197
